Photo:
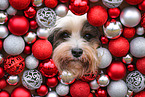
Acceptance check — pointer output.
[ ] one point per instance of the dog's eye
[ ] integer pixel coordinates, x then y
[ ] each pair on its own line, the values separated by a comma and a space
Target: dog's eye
88, 36
65, 35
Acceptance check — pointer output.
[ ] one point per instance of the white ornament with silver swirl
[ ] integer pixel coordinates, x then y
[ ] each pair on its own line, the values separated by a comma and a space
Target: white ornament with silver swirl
112, 3
43, 33
30, 37
140, 31
61, 10
62, 89
3, 32
94, 85
4, 4
103, 80
11, 11
127, 59
52, 94
13, 79
3, 17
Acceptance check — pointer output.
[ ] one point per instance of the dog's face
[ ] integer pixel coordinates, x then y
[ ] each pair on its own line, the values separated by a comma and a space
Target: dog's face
75, 41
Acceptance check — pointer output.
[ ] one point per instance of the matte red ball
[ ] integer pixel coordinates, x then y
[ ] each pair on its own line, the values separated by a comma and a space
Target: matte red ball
101, 93
18, 25
97, 16
140, 94
42, 49
141, 6
80, 89
52, 82
19, 4
114, 12
1, 44
42, 91
3, 83
4, 93
27, 49
119, 47
140, 64
129, 32
20, 92
116, 70
134, 2
33, 24
51, 3
2, 73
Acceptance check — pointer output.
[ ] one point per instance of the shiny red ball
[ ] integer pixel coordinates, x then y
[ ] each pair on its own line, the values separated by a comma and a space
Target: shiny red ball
90, 95
129, 32
130, 67
3, 83
140, 64
101, 93
133, 2
1, 44
114, 12
18, 25
116, 70
20, 92
33, 24
14, 64
42, 91
51, 3
42, 49
30, 12
63, 1
104, 40
140, 94
48, 68
4, 93
97, 16
2, 73
19, 4
141, 6
52, 82
27, 49
88, 77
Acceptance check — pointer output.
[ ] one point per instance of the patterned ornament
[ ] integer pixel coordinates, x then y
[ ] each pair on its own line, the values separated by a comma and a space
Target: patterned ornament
32, 79
3, 17
13, 80
46, 17
30, 37
14, 64
88, 77
127, 59
135, 81
30, 12
112, 3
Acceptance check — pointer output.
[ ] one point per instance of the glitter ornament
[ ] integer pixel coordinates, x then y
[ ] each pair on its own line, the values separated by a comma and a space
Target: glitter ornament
4, 93
42, 90
130, 67
4, 4
135, 81
94, 85
50, 3
1, 59
14, 64
48, 68
140, 31
101, 93
114, 12
62, 90
32, 79
13, 80
11, 11
112, 3
140, 64
52, 82
141, 6
30, 12
2, 73
88, 77
3, 83
46, 17
140, 94
127, 59
30, 37
104, 39
37, 3
61, 10
52, 94
103, 80
129, 32
3, 32
27, 50
3, 17
133, 2
33, 24
43, 33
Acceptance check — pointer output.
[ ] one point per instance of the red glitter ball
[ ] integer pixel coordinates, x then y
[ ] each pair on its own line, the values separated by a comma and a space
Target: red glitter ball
133, 2
140, 94
129, 32
140, 64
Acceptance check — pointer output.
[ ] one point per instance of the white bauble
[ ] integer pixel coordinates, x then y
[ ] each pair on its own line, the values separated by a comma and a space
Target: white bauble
61, 10
11, 11
4, 4
62, 89
94, 85
3, 31
43, 33
112, 3
140, 31
52, 94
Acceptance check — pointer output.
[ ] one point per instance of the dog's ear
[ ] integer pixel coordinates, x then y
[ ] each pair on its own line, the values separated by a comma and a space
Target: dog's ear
50, 38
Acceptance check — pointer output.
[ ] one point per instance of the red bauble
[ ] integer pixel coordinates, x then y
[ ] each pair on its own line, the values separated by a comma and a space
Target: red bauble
19, 4
129, 32
33, 24
2, 73
4, 93
140, 94
52, 82
90, 95
51, 3
116, 70
48, 68
140, 64
130, 67
80, 89
104, 40
143, 20
79, 7
114, 12
63, 1
97, 16
20, 92
119, 47
30, 12
27, 50
42, 91
133, 2
1, 44
88, 77
3, 83
101, 93
14, 64
42, 49
141, 6
18, 25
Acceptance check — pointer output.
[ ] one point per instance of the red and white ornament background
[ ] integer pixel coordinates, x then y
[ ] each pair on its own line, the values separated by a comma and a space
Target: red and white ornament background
122, 51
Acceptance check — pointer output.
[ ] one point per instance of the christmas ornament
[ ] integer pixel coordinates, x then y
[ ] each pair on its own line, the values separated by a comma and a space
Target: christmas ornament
89, 77
137, 47
3, 17
1, 44
101, 93
14, 64
31, 62
2, 73
4, 4
127, 59
50, 3
4, 93
3, 31
52, 94
32, 79
27, 49
30, 37
112, 3
93, 1
37, 3
3, 83
104, 40
135, 81
52, 82
140, 31
18, 25
11, 11
64, 1
14, 45
140, 94
143, 20
116, 70
133, 2
46, 17
19, 4
141, 6
117, 88
1, 59
140, 64
130, 17
114, 12
33, 24
90, 95
43, 33
61, 10
129, 32
20, 92
119, 47
129, 93
42, 91
48, 68
94, 85
30, 12
13, 80
97, 19
104, 54
130, 67
62, 90
103, 80
80, 89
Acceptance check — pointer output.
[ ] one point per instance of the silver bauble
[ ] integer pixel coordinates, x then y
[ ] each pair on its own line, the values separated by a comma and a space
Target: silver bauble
140, 31
3, 31
103, 80
37, 3
11, 11
130, 17
94, 85
4, 4
52, 94
30, 37
1, 59
112, 3
61, 10
127, 59
13, 79
62, 90
3, 17
43, 33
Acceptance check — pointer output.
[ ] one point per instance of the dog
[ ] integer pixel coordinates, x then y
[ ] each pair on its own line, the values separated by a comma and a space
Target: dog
75, 44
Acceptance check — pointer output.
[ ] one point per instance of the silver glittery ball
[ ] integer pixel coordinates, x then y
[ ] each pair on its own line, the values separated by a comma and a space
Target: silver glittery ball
37, 3
3, 17
4, 4
43, 33
52, 94
112, 30
103, 80
112, 3
62, 89
1, 59
127, 59
3, 32
30, 37
61, 10
13, 79
94, 85
11, 11
140, 31
130, 17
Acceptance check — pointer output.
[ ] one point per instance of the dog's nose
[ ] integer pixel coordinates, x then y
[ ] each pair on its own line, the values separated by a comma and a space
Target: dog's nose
77, 52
